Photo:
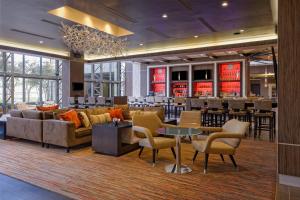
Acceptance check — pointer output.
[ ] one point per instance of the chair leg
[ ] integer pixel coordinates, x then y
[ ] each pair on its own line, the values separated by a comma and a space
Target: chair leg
233, 161
195, 156
222, 157
173, 151
68, 149
141, 150
206, 162
157, 152
153, 157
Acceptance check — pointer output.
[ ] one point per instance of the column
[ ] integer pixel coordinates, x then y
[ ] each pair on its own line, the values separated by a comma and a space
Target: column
289, 92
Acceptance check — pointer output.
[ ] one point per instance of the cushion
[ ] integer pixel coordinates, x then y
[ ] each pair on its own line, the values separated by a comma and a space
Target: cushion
100, 119
82, 132
16, 113
96, 111
32, 114
71, 116
47, 108
125, 110
84, 119
215, 148
116, 113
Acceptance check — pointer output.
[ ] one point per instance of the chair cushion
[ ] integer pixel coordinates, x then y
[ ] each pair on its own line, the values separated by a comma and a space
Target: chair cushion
215, 148
160, 142
84, 119
82, 132
237, 127
72, 116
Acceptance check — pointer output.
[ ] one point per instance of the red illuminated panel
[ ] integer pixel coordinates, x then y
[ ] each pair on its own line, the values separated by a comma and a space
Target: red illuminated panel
202, 89
158, 74
159, 89
180, 89
230, 71
230, 88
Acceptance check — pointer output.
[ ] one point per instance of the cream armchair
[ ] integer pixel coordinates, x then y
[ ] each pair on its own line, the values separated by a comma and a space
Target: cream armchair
145, 126
223, 142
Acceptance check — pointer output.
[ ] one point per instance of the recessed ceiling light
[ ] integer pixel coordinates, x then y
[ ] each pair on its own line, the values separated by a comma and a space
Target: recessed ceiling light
164, 16
141, 44
41, 42
224, 4
196, 36
242, 30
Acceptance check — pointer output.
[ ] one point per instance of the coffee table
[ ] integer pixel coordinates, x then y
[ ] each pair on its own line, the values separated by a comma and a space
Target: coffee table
107, 139
178, 132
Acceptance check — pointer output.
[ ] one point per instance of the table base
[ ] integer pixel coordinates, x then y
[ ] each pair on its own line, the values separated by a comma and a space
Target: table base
173, 169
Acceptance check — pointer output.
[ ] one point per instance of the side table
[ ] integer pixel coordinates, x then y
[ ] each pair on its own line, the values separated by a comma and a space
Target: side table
107, 139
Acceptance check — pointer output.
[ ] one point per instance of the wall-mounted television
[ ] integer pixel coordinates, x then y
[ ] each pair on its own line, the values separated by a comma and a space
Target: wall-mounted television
202, 74
180, 76
77, 86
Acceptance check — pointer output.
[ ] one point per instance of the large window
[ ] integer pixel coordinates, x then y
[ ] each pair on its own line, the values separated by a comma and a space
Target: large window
102, 79
29, 78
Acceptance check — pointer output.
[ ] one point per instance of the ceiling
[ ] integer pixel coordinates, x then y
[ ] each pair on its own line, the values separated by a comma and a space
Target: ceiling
28, 22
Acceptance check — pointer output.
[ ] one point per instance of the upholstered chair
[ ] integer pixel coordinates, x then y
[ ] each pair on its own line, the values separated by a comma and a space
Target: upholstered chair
224, 141
145, 126
190, 119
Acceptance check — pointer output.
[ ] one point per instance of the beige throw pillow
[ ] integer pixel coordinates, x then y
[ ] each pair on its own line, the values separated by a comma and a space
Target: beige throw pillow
84, 119
100, 119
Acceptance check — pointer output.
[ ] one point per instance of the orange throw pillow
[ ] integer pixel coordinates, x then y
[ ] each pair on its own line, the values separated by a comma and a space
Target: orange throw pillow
116, 113
47, 108
71, 116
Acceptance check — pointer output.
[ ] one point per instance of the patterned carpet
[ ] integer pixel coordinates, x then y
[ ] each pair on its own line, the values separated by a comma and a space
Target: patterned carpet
83, 174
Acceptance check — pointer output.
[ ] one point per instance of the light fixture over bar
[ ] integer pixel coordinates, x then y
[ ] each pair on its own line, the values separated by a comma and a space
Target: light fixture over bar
79, 17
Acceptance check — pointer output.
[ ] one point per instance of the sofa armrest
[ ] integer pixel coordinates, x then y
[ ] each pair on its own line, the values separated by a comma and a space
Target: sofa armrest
58, 132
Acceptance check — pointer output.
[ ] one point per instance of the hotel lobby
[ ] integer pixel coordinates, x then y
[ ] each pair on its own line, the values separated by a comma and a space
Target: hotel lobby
140, 99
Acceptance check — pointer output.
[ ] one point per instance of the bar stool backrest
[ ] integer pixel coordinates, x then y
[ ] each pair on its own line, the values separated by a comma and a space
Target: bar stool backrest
92, 100
71, 100
131, 99
197, 103
150, 99
263, 105
81, 100
180, 100
140, 99
165, 99
101, 100
158, 99
236, 104
214, 103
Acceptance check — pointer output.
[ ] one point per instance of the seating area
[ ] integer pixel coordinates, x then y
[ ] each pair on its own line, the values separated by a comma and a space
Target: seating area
139, 99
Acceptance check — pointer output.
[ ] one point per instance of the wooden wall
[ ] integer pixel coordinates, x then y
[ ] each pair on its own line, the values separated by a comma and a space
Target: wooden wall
289, 87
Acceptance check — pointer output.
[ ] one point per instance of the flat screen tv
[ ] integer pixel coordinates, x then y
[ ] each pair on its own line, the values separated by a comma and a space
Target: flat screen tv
180, 76
77, 86
202, 74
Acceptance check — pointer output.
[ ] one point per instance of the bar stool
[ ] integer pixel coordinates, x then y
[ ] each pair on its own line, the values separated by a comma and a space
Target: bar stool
158, 101
82, 102
91, 102
131, 101
149, 101
179, 105
165, 103
264, 118
237, 110
140, 102
72, 102
215, 113
100, 101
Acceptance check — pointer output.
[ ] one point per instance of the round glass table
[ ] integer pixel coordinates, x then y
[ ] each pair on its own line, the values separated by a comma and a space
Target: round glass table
178, 132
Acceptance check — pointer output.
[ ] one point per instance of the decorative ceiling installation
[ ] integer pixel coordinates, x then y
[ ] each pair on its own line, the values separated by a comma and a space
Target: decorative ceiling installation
81, 39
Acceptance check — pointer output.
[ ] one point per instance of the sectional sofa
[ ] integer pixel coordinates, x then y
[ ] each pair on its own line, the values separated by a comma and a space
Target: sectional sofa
47, 128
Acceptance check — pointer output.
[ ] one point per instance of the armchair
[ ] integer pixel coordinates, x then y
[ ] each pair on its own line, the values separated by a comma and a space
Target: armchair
154, 143
223, 142
145, 126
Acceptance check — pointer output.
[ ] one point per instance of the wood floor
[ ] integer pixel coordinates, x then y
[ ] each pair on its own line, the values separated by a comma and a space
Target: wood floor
83, 174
